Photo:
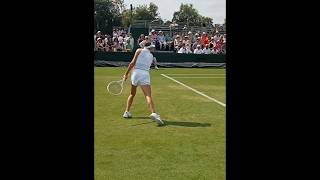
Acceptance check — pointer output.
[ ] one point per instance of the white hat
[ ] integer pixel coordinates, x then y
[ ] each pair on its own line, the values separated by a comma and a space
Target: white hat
198, 45
189, 32
152, 30
160, 31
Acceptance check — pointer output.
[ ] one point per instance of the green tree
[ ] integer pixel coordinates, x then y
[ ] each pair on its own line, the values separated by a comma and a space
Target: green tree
207, 21
142, 12
188, 15
107, 15
126, 18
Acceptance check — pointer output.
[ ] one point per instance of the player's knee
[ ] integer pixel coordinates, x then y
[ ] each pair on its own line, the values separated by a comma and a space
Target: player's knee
133, 93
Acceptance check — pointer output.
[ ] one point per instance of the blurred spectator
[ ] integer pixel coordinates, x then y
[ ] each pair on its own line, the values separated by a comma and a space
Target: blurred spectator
180, 42
191, 37
162, 41
206, 50
121, 40
96, 36
215, 37
169, 41
198, 42
177, 42
204, 39
198, 50
116, 46
215, 50
184, 50
109, 45
212, 43
100, 44
140, 39
174, 35
221, 39
153, 37
185, 40
114, 33
130, 42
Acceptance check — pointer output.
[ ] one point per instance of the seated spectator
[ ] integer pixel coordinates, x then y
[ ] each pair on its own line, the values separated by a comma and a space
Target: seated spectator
153, 37
174, 35
162, 41
109, 45
105, 39
198, 50
140, 39
184, 50
191, 38
212, 43
121, 40
215, 50
177, 42
100, 44
215, 37
169, 41
116, 45
204, 39
206, 50
198, 42
218, 46
221, 39
186, 40
96, 36
114, 33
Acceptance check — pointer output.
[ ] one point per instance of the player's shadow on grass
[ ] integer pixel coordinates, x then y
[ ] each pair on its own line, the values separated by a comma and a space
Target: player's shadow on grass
140, 118
185, 124
174, 123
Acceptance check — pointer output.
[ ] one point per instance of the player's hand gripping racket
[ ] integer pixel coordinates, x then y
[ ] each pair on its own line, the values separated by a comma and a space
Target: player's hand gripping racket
115, 87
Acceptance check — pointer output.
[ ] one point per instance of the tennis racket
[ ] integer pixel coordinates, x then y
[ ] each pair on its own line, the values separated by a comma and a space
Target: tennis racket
115, 87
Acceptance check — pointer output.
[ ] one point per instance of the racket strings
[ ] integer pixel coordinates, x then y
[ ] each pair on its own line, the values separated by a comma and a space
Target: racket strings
115, 87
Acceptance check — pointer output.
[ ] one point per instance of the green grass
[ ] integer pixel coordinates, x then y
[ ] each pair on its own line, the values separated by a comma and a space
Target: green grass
191, 146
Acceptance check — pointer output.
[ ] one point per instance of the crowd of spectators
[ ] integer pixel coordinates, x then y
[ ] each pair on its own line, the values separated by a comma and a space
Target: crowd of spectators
120, 41
187, 43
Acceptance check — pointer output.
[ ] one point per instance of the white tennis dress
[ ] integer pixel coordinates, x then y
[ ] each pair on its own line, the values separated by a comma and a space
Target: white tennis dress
140, 75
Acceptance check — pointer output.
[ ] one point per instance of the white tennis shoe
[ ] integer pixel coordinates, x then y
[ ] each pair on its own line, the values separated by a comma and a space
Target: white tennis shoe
127, 114
156, 117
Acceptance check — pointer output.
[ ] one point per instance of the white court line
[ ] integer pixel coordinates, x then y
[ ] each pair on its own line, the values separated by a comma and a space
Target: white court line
198, 77
196, 91
196, 74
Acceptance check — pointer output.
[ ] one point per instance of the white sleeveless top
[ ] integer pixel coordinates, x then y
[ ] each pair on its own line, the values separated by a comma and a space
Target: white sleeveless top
144, 60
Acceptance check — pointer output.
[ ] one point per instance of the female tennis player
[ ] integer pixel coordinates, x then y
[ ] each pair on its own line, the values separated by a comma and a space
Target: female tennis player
140, 64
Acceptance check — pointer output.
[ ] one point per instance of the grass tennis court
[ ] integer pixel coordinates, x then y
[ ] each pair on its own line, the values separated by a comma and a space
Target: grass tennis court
191, 146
